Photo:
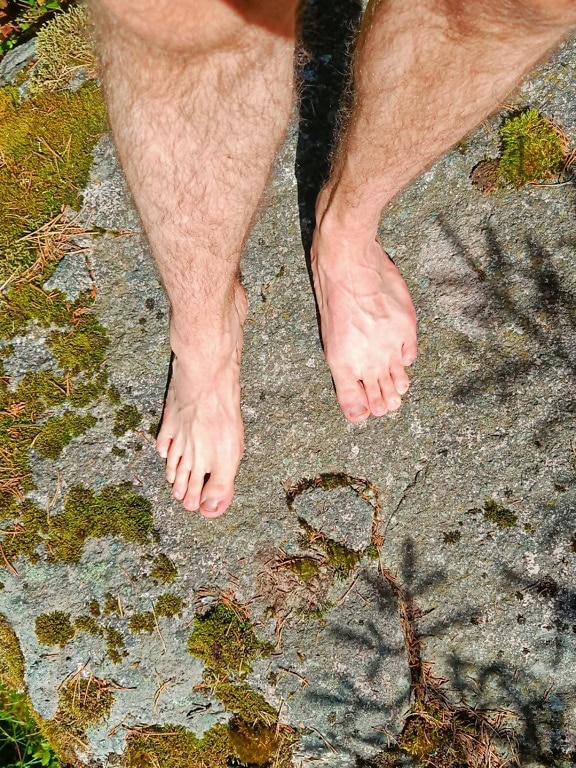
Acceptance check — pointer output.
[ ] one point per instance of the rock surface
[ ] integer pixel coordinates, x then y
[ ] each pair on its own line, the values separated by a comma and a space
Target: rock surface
475, 476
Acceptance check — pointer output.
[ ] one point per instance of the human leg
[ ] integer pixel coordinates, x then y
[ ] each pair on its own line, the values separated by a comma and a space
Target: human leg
198, 100
425, 73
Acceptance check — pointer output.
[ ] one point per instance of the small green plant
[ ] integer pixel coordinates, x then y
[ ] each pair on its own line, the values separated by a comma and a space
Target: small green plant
21, 743
18, 21
533, 149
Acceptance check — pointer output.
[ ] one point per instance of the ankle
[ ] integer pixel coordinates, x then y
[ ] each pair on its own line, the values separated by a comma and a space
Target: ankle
338, 217
215, 328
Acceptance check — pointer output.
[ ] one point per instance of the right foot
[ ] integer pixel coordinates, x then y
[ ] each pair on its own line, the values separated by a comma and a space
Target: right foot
202, 436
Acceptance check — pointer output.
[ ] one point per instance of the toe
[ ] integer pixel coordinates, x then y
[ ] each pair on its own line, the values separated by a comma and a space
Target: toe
409, 352
351, 397
375, 400
163, 445
191, 500
181, 480
399, 377
389, 393
172, 461
217, 494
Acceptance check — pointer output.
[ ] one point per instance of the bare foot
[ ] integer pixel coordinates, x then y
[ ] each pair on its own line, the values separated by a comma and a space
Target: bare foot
202, 436
368, 320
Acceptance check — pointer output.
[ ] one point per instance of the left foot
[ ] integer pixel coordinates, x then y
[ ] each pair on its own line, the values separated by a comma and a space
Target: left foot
368, 320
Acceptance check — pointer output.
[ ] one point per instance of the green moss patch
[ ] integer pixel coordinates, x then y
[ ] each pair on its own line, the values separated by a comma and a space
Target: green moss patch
114, 644
127, 418
87, 624
57, 432
11, 658
54, 628
46, 146
116, 511
168, 605
533, 149
499, 515
163, 569
225, 641
174, 746
63, 46
142, 622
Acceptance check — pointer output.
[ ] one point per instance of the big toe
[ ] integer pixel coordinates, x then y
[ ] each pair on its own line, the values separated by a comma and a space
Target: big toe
217, 493
351, 397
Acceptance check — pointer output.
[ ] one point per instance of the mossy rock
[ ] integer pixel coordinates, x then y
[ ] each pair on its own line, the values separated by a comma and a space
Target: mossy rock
46, 145
58, 432
116, 511
54, 628
534, 149
127, 418
225, 642
142, 622
163, 569
11, 658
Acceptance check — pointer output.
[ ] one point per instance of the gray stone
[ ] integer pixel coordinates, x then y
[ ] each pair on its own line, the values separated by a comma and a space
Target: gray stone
340, 513
71, 276
16, 60
30, 352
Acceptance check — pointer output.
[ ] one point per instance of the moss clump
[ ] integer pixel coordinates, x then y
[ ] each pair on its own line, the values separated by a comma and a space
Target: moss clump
499, 515
34, 523
114, 395
431, 738
338, 558
533, 149
86, 391
114, 644
59, 431
163, 569
54, 628
11, 658
452, 537
46, 146
82, 702
179, 749
142, 622
116, 511
225, 642
87, 624
94, 607
111, 604
83, 348
169, 604
63, 46
118, 452
127, 418
306, 568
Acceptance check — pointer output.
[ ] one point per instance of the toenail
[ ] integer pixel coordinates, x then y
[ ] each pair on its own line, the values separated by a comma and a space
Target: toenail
209, 505
403, 388
357, 410
395, 402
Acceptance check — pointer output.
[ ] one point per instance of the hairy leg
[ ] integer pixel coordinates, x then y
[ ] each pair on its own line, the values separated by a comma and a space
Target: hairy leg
425, 73
198, 98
